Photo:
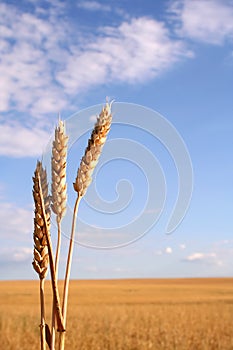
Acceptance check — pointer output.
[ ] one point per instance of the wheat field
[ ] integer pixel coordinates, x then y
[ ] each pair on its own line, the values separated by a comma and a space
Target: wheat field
157, 314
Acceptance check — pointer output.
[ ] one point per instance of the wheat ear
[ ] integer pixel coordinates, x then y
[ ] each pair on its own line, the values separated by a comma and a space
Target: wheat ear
93, 151
41, 257
42, 219
58, 195
58, 162
83, 180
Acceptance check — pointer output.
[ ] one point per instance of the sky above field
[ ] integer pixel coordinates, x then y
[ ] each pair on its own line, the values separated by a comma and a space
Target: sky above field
173, 60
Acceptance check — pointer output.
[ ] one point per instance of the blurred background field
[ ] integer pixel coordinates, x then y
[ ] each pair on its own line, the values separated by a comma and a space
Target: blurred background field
142, 314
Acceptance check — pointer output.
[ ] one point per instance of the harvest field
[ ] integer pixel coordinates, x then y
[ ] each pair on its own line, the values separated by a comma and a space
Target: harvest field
157, 314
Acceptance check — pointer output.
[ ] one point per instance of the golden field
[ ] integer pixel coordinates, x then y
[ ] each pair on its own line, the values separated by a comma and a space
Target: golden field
157, 314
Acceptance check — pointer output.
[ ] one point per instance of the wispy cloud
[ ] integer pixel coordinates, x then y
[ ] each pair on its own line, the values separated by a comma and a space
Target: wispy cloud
133, 52
44, 66
209, 21
15, 255
182, 246
93, 6
20, 141
15, 222
30, 54
224, 242
206, 258
168, 250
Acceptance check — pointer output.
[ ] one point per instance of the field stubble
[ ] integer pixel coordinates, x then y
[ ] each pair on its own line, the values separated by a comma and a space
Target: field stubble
182, 314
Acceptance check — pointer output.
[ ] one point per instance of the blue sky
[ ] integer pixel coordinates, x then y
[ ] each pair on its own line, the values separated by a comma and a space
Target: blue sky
173, 57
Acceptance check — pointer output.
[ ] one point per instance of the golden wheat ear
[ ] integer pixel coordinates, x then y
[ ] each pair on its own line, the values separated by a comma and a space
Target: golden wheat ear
41, 220
41, 255
93, 151
58, 166
58, 195
59, 186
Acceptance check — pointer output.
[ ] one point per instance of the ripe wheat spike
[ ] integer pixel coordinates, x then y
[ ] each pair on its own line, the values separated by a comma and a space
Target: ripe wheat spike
41, 257
58, 195
58, 165
41, 226
93, 150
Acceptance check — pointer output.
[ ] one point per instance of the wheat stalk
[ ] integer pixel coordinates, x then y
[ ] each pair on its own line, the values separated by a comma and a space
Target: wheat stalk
58, 195
82, 181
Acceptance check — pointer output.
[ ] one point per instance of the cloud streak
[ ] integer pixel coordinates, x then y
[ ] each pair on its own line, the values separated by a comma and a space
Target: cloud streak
20, 141
40, 57
46, 61
30, 52
16, 223
134, 52
15, 255
93, 6
203, 258
209, 21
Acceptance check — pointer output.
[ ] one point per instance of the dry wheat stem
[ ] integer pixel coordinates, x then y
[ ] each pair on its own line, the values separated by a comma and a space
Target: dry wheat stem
58, 195
83, 180
42, 313
60, 323
67, 275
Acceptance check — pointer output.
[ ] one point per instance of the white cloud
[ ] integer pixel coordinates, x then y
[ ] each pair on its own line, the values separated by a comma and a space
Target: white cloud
203, 257
210, 21
43, 64
30, 51
16, 223
15, 255
19, 141
227, 241
168, 250
94, 6
195, 256
158, 252
182, 246
133, 52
